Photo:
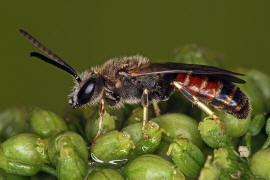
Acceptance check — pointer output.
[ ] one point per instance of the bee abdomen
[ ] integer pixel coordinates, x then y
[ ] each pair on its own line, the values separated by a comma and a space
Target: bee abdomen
232, 100
223, 95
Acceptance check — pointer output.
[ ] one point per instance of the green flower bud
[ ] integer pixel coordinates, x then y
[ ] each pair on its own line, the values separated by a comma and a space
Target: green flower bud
69, 164
262, 81
13, 121
210, 132
23, 154
112, 146
152, 167
234, 127
153, 133
137, 116
91, 127
69, 153
209, 172
105, 174
188, 157
70, 139
46, 123
260, 163
179, 124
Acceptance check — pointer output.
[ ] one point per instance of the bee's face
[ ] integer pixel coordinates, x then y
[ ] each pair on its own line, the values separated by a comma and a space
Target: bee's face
89, 90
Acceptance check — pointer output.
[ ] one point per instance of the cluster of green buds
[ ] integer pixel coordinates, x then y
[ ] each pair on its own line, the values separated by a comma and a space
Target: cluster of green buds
181, 143
47, 147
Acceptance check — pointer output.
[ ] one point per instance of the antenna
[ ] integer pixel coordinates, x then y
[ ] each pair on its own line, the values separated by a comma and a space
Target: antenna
56, 61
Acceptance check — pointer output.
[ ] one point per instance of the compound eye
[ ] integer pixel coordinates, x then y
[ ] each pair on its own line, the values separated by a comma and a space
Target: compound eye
86, 92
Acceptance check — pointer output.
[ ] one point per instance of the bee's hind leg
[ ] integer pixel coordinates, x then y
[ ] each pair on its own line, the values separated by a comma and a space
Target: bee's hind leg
101, 115
196, 101
145, 105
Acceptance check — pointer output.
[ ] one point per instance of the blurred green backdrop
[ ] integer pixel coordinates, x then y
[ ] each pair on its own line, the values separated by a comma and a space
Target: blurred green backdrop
87, 33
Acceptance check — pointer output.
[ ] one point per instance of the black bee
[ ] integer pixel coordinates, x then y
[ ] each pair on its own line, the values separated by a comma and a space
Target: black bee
134, 79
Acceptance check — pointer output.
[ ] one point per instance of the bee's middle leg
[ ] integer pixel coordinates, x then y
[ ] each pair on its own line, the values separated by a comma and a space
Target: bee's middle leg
101, 115
196, 101
145, 104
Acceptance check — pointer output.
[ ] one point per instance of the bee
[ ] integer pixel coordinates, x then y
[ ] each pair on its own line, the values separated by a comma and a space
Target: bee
131, 80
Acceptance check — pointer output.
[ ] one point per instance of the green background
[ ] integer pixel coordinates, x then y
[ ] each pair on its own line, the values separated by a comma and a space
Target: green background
87, 33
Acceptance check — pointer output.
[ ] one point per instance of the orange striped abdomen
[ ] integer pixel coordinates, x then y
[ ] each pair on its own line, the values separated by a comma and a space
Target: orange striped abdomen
223, 95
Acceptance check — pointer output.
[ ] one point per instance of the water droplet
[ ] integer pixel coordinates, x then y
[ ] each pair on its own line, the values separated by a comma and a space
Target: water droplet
112, 162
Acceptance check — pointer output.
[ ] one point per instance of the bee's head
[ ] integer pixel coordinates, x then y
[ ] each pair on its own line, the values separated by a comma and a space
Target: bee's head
88, 90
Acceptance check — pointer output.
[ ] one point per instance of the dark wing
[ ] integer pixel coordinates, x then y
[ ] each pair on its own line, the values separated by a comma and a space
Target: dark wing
194, 69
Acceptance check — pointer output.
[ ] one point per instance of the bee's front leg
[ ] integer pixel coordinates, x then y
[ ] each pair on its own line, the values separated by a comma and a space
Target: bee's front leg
101, 115
145, 104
